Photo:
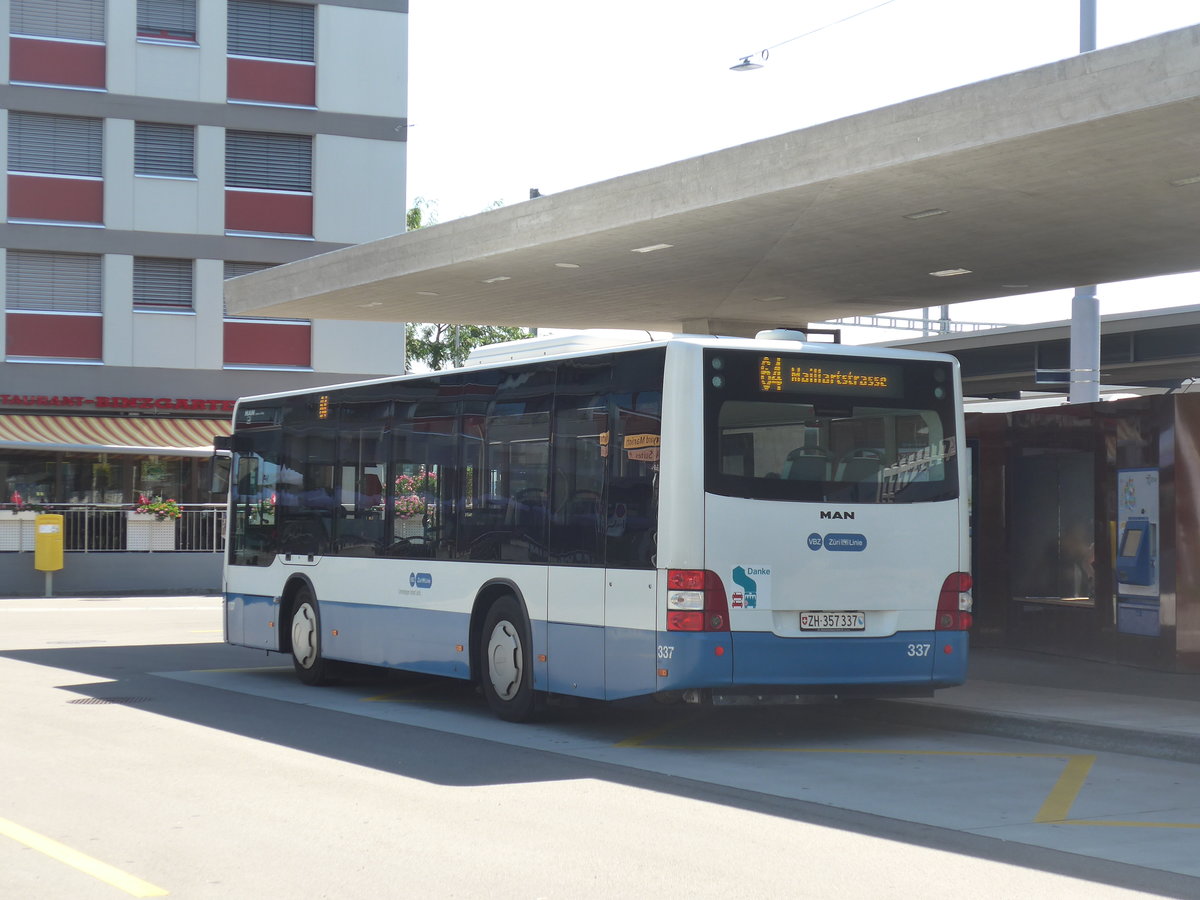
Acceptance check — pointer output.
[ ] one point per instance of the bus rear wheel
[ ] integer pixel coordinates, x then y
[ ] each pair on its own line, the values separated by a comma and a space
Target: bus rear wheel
311, 667
506, 661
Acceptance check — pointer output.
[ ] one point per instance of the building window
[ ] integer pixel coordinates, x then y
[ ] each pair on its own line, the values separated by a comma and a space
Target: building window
55, 145
167, 20
238, 269
53, 282
168, 151
55, 169
268, 162
269, 30
163, 285
72, 20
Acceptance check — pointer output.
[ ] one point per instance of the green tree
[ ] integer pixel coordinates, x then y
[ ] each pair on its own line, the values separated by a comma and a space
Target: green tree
421, 213
441, 345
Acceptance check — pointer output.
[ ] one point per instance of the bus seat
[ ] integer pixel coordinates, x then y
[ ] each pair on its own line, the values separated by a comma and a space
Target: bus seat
806, 465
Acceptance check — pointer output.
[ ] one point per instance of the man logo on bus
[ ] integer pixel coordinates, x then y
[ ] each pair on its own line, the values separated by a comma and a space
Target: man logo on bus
749, 589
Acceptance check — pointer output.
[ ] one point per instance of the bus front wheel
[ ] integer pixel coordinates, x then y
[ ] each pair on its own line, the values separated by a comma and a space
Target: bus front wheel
506, 661
311, 667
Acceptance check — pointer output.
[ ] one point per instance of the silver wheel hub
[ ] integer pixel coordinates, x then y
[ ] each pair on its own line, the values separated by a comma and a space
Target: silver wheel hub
505, 660
304, 635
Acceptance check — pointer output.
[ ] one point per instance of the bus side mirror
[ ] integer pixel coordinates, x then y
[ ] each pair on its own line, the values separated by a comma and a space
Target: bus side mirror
219, 466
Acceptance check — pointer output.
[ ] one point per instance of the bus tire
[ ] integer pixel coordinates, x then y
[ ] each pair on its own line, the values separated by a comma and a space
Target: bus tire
506, 661
311, 667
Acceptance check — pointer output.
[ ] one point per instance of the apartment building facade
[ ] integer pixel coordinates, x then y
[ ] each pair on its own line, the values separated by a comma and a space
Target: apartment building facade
155, 148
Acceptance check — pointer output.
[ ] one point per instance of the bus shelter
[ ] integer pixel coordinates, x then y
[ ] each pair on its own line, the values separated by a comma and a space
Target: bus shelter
1090, 545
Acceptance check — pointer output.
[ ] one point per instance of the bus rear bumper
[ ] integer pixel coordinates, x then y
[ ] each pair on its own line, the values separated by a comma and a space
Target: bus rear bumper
761, 664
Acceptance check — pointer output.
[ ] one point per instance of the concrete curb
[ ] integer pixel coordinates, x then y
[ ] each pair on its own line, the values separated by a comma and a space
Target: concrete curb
1032, 727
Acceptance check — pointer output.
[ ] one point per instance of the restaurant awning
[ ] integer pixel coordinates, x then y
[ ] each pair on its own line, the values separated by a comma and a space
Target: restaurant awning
101, 434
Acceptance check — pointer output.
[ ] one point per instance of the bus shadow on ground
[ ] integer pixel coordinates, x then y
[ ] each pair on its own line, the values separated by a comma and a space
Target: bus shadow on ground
485, 757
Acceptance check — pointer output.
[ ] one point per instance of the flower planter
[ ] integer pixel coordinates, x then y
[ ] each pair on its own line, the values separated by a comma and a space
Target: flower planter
410, 527
143, 532
16, 530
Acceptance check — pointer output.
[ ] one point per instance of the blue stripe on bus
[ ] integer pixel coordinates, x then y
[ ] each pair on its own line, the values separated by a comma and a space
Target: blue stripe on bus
949, 668
250, 620
597, 662
419, 640
905, 658
613, 663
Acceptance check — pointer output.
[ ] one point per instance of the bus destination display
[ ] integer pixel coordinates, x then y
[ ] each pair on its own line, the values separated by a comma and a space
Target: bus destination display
824, 376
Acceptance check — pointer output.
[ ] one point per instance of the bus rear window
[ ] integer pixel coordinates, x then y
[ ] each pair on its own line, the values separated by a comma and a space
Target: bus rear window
808, 443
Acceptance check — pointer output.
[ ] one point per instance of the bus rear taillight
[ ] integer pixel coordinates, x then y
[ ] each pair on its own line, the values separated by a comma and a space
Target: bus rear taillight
696, 601
954, 603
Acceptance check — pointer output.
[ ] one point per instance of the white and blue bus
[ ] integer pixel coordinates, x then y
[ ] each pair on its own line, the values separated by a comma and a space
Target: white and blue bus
692, 517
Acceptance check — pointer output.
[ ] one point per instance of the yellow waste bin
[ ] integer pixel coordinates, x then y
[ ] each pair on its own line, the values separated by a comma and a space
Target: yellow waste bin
48, 542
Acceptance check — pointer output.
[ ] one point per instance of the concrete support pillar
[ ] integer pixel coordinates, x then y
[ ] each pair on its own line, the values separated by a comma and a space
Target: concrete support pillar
1085, 346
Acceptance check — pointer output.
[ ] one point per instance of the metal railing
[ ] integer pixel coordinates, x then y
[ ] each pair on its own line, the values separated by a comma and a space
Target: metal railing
104, 528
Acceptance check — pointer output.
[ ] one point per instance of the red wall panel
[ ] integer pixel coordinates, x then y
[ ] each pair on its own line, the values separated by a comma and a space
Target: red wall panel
263, 81
269, 213
52, 62
268, 344
56, 199
58, 337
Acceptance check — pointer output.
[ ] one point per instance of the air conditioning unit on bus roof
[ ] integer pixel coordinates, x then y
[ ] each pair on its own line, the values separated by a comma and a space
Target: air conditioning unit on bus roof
557, 344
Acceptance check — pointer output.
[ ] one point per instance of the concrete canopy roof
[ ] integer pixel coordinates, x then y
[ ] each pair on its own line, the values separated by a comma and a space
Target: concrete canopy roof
1052, 177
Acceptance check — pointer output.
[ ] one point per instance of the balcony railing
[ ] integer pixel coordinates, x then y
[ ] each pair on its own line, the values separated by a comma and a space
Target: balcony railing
106, 528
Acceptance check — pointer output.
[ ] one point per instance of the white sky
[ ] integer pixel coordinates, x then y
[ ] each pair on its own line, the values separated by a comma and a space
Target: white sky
554, 94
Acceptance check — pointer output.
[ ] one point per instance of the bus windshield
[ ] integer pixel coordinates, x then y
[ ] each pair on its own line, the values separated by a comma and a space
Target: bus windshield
830, 429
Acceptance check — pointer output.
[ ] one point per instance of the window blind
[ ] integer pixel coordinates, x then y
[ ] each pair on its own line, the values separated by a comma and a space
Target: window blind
271, 30
56, 145
73, 20
165, 150
53, 282
238, 269
171, 20
269, 162
160, 283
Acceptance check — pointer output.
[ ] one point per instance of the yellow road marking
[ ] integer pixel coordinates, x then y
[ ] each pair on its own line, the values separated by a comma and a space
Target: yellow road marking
402, 696
1062, 796
1054, 811
1130, 824
89, 865
639, 740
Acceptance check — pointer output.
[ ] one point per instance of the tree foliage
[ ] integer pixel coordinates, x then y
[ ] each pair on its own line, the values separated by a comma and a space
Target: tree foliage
441, 345
421, 214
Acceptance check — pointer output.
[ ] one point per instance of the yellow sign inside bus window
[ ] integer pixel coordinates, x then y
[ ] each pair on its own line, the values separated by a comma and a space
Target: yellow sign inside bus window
637, 441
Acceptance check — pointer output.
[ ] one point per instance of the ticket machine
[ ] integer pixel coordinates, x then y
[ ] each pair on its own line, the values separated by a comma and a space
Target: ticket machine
1135, 552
